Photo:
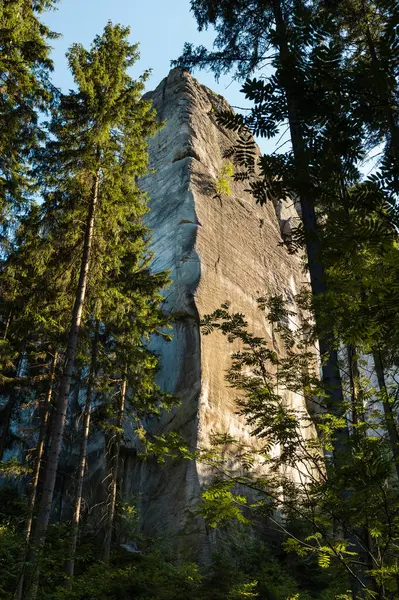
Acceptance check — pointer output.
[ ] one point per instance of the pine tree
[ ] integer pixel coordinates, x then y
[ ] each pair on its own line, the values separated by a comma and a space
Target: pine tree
92, 204
25, 90
130, 364
36, 302
128, 309
90, 395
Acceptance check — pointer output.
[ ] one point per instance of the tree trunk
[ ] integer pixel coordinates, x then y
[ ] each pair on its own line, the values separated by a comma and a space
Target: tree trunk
35, 479
114, 474
7, 325
70, 565
329, 356
330, 368
389, 414
65, 383
40, 448
356, 391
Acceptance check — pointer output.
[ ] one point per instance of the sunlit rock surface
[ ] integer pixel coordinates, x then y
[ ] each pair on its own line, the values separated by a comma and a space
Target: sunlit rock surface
218, 250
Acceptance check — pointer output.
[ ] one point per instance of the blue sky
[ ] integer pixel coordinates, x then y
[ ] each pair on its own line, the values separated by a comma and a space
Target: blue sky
160, 26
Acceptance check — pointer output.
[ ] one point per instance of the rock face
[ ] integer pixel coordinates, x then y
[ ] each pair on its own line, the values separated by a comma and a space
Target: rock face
218, 249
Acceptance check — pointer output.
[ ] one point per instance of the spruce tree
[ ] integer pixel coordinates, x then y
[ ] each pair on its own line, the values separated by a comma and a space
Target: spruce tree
128, 311
25, 91
91, 217
129, 364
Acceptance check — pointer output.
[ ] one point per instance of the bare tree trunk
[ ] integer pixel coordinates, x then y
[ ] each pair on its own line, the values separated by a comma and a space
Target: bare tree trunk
7, 324
114, 473
356, 391
389, 414
70, 565
65, 384
389, 107
45, 409
40, 448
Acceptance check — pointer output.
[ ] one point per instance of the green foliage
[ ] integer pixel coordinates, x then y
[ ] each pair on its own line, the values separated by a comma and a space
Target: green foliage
129, 521
354, 492
164, 446
39, 279
244, 567
243, 154
245, 564
145, 577
90, 221
12, 514
9, 552
222, 184
25, 90
230, 120
219, 504
243, 590
13, 468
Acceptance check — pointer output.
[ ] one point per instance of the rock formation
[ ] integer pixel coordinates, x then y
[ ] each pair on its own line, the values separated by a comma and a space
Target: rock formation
218, 249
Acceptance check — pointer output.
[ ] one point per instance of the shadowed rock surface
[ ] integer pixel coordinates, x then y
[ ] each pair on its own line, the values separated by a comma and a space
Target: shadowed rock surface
217, 249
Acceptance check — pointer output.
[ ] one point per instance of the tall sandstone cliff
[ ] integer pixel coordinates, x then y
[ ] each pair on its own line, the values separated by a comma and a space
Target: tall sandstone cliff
217, 249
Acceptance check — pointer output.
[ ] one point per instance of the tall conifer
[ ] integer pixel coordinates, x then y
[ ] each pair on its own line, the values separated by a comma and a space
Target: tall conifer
93, 208
25, 90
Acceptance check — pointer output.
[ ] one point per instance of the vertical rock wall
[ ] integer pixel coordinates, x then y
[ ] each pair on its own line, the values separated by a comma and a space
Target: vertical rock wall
217, 249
